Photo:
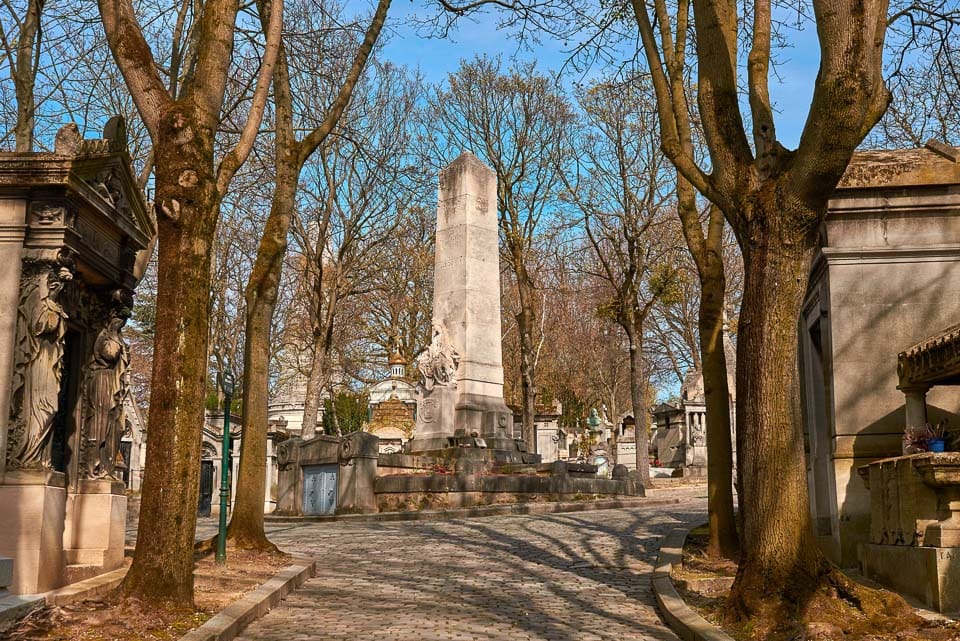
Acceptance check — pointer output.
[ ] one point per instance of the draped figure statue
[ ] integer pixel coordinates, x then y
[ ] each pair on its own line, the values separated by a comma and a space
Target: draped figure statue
41, 325
105, 389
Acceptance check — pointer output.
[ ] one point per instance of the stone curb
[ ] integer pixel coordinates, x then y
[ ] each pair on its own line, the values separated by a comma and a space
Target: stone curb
480, 511
86, 589
686, 623
232, 620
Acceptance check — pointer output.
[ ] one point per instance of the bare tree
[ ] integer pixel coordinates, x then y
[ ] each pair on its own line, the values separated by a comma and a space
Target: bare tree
621, 186
182, 124
290, 155
358, 184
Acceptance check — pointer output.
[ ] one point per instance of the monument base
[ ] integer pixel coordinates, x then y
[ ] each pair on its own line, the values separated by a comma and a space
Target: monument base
32, 534
94, 530
928, 574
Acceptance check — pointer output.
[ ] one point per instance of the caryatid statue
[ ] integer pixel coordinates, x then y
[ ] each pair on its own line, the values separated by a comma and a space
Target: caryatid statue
106, 387
38, 364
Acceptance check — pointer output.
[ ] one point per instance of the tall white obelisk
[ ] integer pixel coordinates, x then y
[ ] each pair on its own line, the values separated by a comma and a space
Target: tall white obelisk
466, 304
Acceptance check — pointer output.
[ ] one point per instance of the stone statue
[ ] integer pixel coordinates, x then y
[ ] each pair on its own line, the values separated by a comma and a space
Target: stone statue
438, 365
41, 325
105, 388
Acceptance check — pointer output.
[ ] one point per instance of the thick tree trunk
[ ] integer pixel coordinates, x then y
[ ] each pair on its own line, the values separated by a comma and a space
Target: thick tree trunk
186, 195
637, 386
526, 320
780, 560
723, 526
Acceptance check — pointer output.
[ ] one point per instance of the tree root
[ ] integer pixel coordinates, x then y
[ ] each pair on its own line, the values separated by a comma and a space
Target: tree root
827, 599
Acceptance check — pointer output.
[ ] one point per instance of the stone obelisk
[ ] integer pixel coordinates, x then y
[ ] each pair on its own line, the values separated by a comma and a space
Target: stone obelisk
466, 317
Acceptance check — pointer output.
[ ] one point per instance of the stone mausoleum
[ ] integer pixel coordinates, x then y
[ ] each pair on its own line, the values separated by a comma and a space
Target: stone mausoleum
74, 235
875, 358
680, 435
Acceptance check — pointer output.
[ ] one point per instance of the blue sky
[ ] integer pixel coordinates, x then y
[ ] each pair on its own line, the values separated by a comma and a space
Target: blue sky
791, 88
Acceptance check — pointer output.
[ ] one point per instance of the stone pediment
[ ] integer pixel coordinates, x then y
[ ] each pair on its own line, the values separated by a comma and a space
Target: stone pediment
83, 198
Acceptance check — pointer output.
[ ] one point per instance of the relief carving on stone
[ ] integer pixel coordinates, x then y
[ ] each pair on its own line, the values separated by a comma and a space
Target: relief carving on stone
438, 365
38, 362
106, 385
44, 214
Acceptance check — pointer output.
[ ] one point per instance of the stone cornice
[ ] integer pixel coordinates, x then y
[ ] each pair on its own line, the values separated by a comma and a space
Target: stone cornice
859, 255
931, 361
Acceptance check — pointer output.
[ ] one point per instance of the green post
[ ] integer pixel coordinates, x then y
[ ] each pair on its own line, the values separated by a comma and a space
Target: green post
227, 382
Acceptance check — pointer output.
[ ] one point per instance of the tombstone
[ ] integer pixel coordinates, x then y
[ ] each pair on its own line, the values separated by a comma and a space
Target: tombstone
461, 388
74, 235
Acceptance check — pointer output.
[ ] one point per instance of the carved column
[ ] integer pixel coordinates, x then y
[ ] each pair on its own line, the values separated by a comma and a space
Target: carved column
12, 232
916, 405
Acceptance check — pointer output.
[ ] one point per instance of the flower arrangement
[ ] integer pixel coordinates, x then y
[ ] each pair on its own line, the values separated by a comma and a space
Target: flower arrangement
925, 438
915, 439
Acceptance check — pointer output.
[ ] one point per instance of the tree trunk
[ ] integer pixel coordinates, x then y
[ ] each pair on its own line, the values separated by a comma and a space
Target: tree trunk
246, 523
782, 570
528, 390
723, 526
162, 566
780, 560
25, 78
639, 403
319, 369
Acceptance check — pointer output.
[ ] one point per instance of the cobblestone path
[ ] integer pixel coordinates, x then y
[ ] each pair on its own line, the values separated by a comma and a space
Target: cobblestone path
577, 577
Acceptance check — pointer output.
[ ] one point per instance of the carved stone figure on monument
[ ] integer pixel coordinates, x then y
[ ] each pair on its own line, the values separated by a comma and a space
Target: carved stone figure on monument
41, 325
438, 365
105, 388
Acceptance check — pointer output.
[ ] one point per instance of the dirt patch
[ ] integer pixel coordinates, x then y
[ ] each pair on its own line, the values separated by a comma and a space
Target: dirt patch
125, 619
704, 584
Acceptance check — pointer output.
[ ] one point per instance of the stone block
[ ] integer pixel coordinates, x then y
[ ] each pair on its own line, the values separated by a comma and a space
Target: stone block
355, 487
94, 529
928, 574
6, 573
32, 534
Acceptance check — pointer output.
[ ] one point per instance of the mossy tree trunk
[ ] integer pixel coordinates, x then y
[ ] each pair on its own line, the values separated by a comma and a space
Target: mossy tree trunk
246, 524
775, 199
163, 558
189, 188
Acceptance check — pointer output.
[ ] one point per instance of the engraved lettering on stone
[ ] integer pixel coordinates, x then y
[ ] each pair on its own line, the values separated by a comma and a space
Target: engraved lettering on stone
482, 204
94, 239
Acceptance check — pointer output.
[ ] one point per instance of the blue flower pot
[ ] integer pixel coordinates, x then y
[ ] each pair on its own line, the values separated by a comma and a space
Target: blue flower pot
936, 445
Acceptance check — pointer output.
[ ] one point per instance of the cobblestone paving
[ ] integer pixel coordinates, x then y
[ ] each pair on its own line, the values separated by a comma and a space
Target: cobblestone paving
577, 577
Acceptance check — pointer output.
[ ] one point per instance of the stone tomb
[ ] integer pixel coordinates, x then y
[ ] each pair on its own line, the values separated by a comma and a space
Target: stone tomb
74, 235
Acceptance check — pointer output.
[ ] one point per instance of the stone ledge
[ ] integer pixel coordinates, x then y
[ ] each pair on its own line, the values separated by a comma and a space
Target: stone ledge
232, 620
16, 606
688, 625
505, 509
86, 589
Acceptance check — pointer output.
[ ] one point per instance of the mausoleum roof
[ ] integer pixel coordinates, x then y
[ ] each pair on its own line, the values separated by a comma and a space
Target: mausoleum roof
934, 164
